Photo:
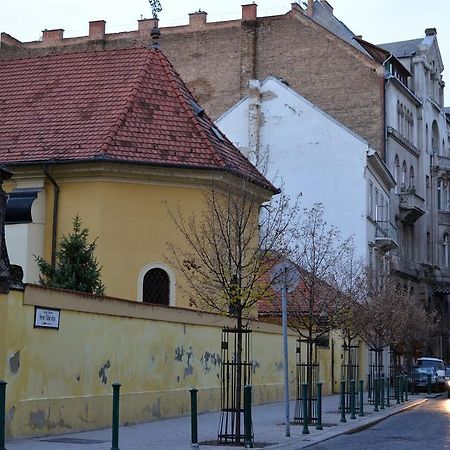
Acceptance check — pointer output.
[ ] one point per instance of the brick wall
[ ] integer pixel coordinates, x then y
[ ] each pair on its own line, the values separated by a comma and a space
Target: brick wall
217, 59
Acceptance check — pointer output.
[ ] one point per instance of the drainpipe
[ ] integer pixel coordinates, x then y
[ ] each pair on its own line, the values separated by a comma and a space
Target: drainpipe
55, 213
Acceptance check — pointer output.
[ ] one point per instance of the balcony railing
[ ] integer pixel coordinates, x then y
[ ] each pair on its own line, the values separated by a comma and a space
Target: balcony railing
444, 218
443, 162
411, 207
385, 235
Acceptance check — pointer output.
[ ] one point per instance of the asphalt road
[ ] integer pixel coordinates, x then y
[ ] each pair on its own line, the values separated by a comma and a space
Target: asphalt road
426, 427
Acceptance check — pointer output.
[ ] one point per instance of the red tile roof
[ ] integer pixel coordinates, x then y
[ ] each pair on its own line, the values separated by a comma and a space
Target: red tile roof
124, 105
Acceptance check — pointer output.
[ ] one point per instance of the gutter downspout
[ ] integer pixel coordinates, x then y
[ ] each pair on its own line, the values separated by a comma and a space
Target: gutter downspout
55, 214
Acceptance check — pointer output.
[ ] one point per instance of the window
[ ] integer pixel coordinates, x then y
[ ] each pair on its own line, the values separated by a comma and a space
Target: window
156, 287
156, 284
370, 206
396, 173
403, 176
428, 247
377, 212
439, 193
411, 177
445, 253
381, 206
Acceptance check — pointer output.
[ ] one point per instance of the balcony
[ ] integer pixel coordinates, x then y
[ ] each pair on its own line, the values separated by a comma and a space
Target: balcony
385, 235
411, 207
405, 265
443, 162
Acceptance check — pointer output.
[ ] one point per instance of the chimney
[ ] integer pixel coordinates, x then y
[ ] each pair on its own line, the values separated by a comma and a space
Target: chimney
327, 6
310, 8
147, 25
97, 30
249, 12
52, 35
197, 19
430, 32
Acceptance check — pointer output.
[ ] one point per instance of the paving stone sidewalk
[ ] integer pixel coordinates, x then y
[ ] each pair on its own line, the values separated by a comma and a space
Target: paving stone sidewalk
174, 434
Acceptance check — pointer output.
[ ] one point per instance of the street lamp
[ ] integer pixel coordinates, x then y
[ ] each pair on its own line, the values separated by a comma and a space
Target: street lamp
285, 278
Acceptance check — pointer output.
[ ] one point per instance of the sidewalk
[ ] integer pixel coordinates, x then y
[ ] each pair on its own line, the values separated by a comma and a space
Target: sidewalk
174, 434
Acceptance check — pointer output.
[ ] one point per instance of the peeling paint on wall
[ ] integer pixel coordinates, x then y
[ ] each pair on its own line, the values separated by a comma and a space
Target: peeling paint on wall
102, 373
188, 370
179, 352
279, 366
151, 363
210, 361
10, 414
255, 365
37, 419
14, 362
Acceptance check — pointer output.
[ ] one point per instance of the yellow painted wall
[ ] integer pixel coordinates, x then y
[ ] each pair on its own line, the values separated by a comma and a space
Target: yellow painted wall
127, 209
63, 380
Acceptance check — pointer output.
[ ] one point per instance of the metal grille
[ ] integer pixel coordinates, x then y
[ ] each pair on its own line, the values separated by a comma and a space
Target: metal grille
394, 371
376, 371
235, 375
156, 287
307, 372
349, 371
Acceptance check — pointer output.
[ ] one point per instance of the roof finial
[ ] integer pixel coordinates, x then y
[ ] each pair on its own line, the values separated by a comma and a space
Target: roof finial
156, 32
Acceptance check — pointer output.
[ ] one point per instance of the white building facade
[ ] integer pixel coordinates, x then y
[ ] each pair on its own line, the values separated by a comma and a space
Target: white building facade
294, 142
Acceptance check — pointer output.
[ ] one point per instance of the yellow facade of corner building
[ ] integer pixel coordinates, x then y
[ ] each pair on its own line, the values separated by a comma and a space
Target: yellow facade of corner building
127, 208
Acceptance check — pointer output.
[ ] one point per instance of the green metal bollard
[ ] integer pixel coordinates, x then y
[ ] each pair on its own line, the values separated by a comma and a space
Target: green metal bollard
352, 399
406, 387
194, 424
388, 392
397, 390
115, 416
429, 384
343, 419
377, 394
305, 408
2, 413
319, 406
382, 392
402, 389
248, 438
361, 398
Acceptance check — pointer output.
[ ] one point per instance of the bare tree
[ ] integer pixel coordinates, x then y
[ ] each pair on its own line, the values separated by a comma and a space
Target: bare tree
313, 308
231, 248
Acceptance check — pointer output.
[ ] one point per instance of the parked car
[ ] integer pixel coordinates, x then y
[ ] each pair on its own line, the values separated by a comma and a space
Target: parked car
439, 367
419, 379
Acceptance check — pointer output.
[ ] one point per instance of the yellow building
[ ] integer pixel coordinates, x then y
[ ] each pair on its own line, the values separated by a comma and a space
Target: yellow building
116, 137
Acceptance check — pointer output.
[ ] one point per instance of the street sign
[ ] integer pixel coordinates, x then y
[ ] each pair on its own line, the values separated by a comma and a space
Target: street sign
285, 274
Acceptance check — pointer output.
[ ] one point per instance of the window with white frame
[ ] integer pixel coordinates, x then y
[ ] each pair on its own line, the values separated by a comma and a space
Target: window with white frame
404, 176
156, 285
370, 200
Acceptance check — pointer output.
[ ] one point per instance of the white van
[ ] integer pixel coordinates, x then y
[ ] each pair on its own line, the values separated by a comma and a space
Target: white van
438, 365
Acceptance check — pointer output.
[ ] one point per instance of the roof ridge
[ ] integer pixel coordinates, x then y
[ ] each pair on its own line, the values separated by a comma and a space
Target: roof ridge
166, 66
128, 104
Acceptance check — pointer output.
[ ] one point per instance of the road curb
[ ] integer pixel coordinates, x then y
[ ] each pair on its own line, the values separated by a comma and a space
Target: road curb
377, 420
318, 438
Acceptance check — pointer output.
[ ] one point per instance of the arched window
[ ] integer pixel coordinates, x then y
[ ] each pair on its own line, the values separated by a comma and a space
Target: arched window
403, 176
411, 178
445, 252
156, 284
435, 140
397, 173
156, 287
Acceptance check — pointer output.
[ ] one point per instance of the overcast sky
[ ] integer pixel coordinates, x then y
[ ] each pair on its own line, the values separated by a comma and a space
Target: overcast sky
378, 21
